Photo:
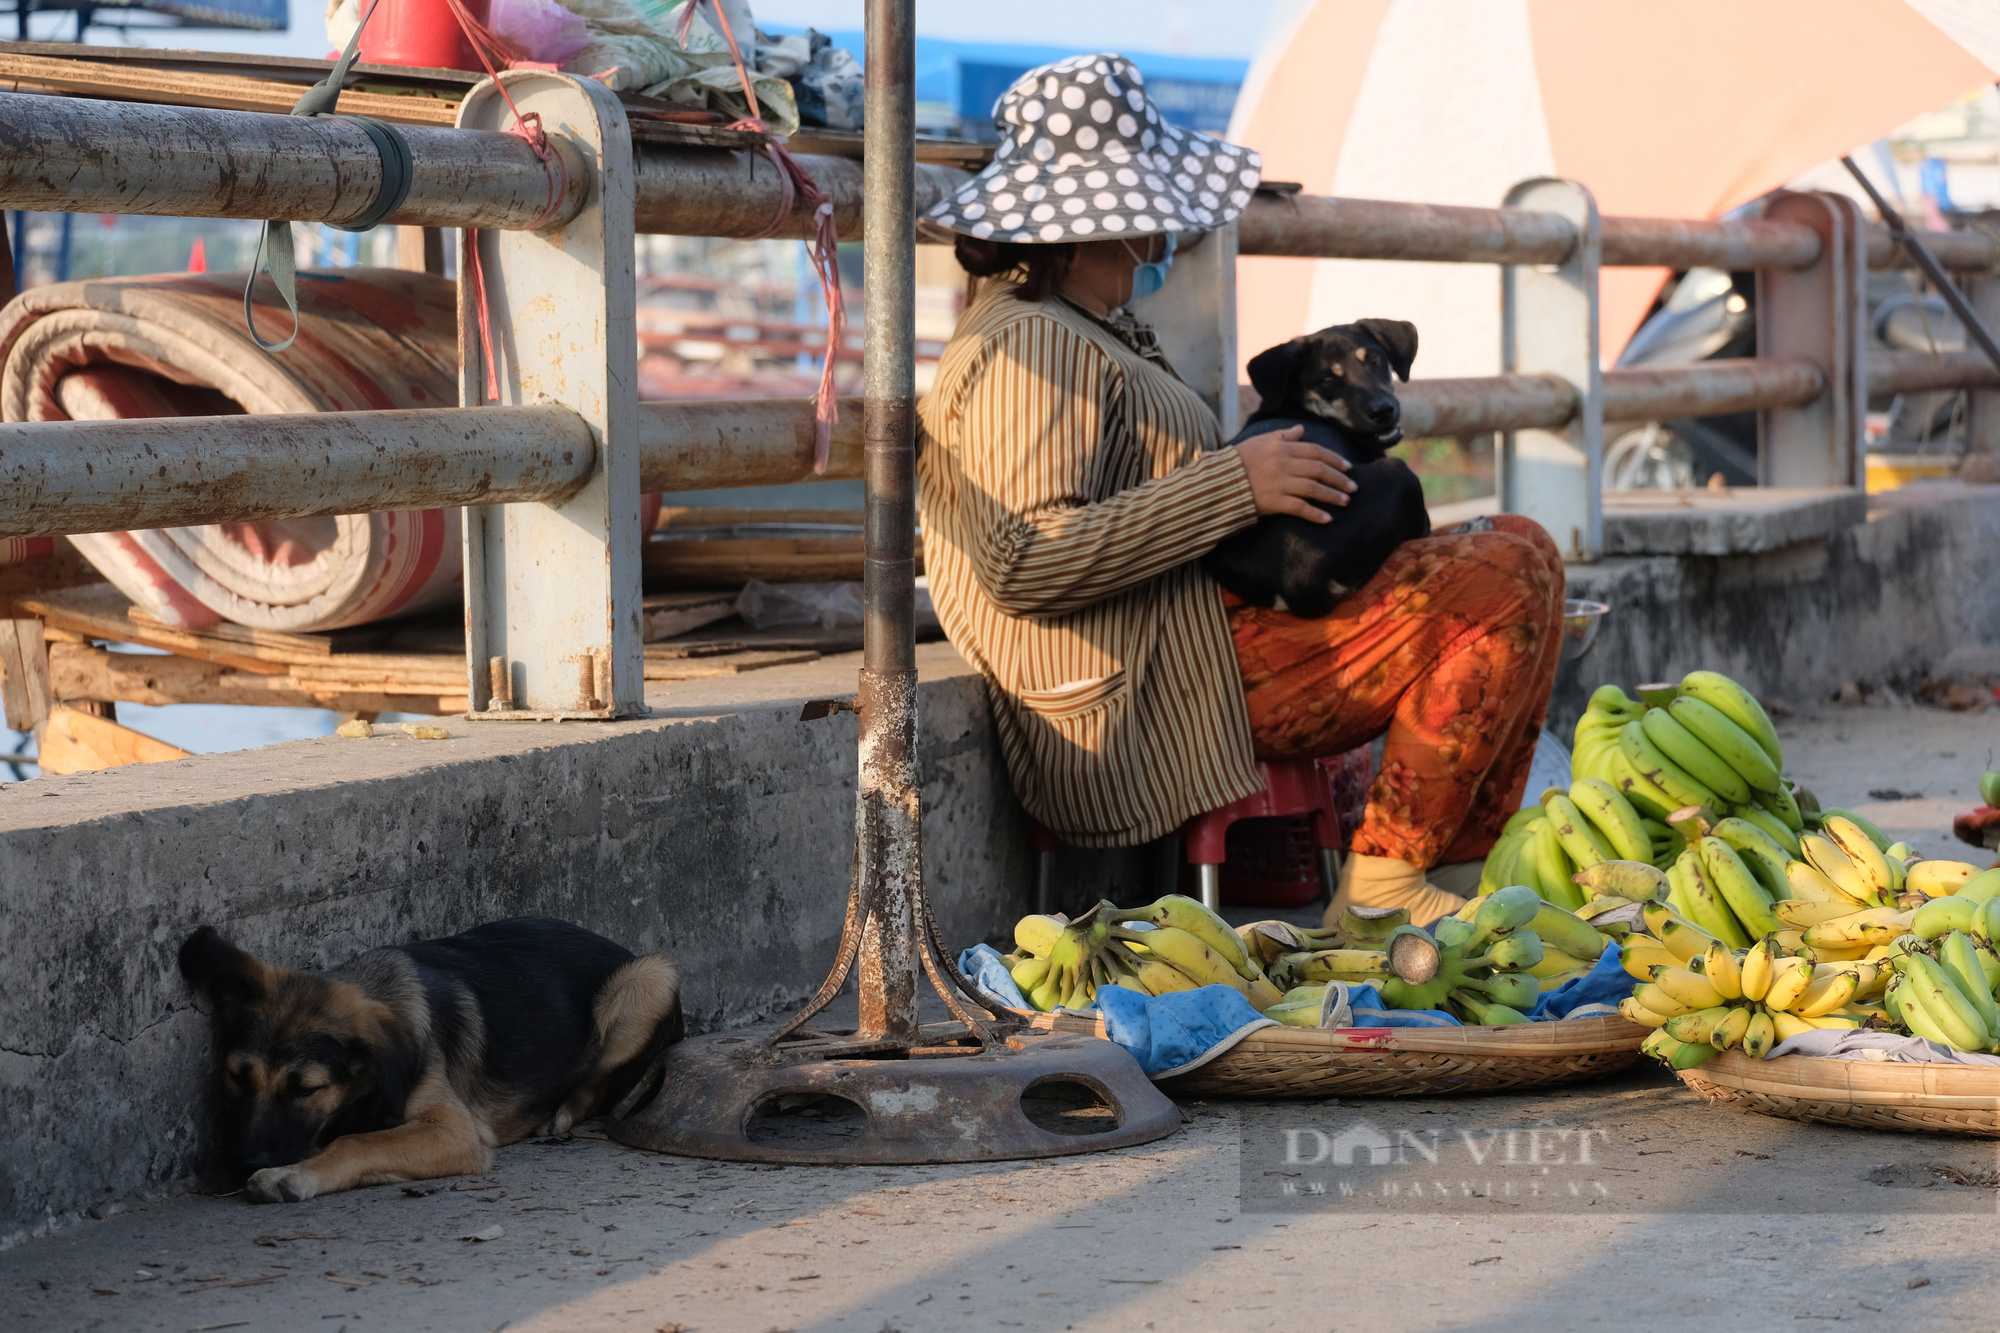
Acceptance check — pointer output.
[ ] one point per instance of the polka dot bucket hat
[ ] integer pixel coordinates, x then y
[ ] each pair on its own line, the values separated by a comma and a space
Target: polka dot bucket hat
1085, 156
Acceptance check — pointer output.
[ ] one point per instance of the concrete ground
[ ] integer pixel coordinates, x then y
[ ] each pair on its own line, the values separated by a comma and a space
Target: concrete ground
1683, 1216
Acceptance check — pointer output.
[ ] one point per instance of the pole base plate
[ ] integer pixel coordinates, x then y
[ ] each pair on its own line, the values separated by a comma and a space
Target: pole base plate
728, 1095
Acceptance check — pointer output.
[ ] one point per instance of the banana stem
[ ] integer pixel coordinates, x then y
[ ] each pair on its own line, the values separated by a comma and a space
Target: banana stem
1692, 822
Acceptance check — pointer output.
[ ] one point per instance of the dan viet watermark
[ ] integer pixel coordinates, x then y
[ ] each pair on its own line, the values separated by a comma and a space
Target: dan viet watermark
1383, 1159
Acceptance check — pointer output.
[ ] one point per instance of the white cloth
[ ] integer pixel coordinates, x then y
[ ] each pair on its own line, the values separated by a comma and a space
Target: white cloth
1855, 1044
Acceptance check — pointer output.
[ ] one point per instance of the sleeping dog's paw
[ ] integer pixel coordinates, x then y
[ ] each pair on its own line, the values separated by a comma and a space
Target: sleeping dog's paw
280, 1184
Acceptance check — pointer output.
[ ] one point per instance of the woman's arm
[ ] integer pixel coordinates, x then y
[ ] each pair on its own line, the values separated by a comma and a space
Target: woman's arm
1035, 418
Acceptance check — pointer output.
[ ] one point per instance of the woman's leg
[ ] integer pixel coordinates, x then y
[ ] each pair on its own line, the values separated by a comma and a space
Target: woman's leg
1451, 650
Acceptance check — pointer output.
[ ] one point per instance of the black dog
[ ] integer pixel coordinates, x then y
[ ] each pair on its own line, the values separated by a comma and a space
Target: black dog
1336, 383
416, 1061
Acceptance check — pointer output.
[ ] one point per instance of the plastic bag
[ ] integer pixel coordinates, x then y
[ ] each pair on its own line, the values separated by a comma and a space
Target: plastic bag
828, 82
540, 30
828, 605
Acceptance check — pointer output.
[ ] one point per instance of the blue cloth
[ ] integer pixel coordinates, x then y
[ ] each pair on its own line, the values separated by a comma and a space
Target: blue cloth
1168, 1033
1598, 990
981, 966
1370, 1010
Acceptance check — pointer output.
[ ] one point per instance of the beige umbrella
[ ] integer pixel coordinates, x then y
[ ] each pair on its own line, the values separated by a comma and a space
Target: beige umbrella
1664, 108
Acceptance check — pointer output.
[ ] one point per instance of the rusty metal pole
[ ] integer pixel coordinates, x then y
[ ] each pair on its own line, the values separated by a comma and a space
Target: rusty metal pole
887, 811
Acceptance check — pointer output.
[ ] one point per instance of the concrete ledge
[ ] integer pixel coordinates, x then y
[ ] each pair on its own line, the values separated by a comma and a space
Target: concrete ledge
717, 832
1884, 600
1735, 522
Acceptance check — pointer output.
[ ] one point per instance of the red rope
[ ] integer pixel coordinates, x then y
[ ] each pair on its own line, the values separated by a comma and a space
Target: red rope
488, 45
822, 247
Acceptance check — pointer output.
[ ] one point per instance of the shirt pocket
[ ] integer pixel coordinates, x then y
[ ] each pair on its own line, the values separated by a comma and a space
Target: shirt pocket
1075, 698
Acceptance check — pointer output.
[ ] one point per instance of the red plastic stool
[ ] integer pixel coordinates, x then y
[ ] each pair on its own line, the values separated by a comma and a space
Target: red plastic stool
1291, 787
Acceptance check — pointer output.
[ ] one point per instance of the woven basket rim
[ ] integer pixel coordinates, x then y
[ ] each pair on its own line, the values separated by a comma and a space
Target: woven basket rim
1861, 1082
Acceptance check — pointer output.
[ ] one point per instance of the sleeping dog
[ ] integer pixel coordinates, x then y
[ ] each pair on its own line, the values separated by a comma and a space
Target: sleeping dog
1337, 384
416, 1061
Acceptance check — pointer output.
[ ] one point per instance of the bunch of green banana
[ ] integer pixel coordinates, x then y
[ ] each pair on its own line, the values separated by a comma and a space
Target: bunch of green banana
1544, 847
1357, 928
1943, 990
1484, 966
1062, 964
1703, 742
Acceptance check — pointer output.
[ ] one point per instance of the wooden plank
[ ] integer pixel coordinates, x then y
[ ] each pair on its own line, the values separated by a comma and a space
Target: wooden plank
99, 611
224, 92
674, 613
72, 741
817, 140
302, 645
729, 664
81, 671
408, 676
682, 516
300, 70
24, 674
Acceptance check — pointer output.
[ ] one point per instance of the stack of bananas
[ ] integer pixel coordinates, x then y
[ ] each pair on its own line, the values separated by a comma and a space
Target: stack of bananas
1946, 967
1485, 966
1703, 997
1705, 743
1060, 964
1863, 940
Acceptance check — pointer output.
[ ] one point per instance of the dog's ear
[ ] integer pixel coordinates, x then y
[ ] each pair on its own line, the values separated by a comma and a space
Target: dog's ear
1397, 337
1271, 373
219, 971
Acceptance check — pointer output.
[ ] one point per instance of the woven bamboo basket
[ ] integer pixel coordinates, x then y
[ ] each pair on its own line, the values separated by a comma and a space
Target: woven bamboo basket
1945, 1099
1395, 1062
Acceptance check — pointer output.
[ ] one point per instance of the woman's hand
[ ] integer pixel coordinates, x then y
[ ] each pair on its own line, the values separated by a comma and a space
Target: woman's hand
1287, 474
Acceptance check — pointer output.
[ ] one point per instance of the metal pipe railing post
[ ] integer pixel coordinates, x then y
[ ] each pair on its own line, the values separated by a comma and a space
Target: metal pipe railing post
1816, 314
887, 811
1548, 326
552, 609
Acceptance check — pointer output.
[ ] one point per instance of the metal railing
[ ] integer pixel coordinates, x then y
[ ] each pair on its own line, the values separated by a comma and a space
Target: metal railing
558, 462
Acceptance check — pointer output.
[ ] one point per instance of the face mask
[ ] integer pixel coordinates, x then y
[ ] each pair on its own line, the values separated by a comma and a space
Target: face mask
1150, 276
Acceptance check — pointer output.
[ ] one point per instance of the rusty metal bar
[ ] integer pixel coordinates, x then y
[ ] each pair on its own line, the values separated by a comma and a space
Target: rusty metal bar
1462, 407
708, 445
108, 476
1968, 318
60, 154
706, 192
71, 155
1324, 227
1965, 251
1929, 372
1709, 388
1681, 243
1481, 406
888, 819
1317, 226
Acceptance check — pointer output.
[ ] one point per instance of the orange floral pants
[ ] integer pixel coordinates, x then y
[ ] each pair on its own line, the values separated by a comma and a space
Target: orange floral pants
1451, 651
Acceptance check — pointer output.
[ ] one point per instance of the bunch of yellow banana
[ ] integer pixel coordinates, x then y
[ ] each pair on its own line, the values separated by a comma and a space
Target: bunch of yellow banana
1062, 964
1702, 997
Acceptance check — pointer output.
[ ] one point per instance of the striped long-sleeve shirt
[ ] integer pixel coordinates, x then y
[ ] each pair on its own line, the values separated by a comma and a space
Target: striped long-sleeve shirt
1068, 487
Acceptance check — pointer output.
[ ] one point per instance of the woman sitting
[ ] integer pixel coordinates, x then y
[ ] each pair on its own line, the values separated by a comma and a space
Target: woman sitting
1070, 483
